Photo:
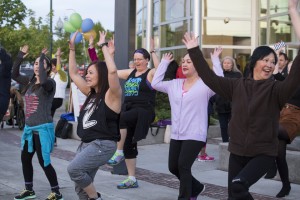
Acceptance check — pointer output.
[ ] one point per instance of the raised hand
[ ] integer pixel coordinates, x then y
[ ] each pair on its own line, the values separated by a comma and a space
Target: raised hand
45, 51
72, 41
91, 41
101, 38
111, 46
25, 50
217, 51
190, 40
58, 52
152, 46
167, 56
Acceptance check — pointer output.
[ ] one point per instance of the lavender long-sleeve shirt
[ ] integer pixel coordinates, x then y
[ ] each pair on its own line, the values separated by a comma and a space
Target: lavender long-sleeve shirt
189, 109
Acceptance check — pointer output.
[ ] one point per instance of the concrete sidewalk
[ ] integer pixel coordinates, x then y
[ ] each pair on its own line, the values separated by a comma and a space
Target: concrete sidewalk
156, 183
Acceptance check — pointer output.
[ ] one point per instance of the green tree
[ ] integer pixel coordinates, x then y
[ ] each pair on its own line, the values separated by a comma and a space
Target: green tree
12, 13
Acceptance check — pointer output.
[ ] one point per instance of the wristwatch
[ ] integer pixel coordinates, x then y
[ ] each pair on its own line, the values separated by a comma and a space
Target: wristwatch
103, 44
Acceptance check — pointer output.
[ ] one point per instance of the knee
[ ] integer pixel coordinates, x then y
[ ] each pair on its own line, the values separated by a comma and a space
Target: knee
72, 171
130, 151
240, 189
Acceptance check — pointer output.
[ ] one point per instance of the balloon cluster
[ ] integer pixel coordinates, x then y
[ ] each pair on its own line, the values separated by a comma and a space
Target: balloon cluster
85, 27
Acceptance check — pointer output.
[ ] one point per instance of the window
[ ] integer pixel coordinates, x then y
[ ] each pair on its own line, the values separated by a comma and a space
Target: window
278, 6
232, 33
280, 29
173, 9
171, 34
227, 8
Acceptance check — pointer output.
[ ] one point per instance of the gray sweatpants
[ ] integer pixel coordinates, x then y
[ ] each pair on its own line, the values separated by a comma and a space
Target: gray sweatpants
89, 157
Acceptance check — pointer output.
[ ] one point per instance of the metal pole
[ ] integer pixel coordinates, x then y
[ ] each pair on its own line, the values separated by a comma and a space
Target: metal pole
51, 32
197, 19
149, 23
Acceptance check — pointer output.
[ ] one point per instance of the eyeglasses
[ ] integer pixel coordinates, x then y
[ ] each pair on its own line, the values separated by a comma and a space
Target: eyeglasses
138, 59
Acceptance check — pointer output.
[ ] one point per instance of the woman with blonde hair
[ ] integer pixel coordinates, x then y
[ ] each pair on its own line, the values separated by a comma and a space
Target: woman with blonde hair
223, 106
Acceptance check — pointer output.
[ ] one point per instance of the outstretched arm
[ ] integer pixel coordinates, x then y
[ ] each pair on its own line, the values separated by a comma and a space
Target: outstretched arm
215, 58
218, 84
295, 18
157, 82
63, 76
73, 71
24, 80
92, 50
154, 56
115, 92
47, 84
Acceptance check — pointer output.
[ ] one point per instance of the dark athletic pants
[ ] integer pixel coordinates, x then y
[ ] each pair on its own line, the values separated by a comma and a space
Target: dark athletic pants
224, 119
26, 159
248, 170
281, 157
182, 154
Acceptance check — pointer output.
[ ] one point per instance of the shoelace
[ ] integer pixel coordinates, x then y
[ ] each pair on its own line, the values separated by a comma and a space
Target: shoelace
23, 192
116, 155
51, 196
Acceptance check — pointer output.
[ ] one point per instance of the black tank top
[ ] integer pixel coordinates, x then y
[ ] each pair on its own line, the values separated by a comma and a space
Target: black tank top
138, 90
99, 122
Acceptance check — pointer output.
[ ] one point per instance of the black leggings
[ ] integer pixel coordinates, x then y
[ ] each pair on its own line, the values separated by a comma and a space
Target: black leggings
244, 172
182, 154
281, 157
27, 167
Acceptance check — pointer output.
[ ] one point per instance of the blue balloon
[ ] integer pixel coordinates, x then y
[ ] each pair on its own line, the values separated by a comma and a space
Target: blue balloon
87, 25
78, 37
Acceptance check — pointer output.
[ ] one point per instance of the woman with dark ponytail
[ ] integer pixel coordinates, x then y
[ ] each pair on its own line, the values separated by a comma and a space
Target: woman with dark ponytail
38, 135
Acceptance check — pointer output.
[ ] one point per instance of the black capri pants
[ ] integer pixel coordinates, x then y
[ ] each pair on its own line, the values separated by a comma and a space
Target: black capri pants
129, 120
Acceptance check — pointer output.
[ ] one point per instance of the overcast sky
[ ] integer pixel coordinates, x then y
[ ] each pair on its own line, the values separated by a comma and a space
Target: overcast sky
98, 10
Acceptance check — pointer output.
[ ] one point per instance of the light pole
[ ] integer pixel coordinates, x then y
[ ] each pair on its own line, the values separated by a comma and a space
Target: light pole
51, 32
59, 26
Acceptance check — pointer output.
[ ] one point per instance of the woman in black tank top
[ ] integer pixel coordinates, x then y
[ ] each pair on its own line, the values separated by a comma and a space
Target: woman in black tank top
137, 113
98, 122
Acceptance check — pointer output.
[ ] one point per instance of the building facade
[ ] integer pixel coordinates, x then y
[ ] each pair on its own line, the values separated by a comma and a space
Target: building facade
237, 25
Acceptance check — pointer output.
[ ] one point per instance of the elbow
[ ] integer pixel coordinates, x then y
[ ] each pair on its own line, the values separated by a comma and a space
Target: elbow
153, 85
113, 72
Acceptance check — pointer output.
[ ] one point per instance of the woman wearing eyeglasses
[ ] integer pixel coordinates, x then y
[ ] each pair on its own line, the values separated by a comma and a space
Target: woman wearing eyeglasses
137, 113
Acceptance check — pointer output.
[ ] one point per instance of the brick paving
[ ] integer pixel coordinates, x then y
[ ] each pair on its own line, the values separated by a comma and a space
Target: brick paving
167, 180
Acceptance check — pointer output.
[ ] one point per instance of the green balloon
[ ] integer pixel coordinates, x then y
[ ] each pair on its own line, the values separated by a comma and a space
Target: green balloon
68, 27
76, 20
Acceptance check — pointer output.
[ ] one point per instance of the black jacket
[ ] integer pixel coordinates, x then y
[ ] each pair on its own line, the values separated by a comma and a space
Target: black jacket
256, 106
5, 80
223, 105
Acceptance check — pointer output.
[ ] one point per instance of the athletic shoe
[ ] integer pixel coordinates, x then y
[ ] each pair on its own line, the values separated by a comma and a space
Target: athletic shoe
128, 183
26, 194
205, 158
116, 159
202, 190
54, 196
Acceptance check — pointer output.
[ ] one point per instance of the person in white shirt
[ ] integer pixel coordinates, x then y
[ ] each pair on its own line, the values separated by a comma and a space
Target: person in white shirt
61, 80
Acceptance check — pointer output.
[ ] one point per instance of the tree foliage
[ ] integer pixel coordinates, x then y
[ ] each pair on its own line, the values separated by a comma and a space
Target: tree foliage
36, 33
12, 13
